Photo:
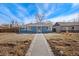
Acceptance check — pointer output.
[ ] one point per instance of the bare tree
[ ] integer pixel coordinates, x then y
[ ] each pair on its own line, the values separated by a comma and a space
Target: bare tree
39, 19
78, 18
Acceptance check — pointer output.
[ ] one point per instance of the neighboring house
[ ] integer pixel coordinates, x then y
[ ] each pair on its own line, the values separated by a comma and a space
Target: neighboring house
37, 27
8, 28
66, 27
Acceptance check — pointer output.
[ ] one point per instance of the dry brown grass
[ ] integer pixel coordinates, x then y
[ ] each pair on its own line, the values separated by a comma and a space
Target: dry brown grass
14, 44
64, 43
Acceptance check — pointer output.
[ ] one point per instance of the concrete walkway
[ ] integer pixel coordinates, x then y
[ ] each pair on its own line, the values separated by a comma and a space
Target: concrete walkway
39, 47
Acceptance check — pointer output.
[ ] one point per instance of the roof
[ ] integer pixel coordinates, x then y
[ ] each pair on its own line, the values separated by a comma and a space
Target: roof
39, 24
66, 24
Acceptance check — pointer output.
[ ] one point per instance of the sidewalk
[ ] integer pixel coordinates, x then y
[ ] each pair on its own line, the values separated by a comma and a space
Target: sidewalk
39, 47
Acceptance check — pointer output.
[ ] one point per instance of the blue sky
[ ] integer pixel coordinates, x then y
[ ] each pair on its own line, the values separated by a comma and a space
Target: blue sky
25, 12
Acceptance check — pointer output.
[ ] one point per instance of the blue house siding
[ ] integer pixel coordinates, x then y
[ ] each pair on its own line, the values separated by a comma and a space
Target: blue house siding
44, 29
35, 29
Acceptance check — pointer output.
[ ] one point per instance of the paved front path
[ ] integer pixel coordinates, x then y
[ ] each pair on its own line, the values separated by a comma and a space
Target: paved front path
39, 47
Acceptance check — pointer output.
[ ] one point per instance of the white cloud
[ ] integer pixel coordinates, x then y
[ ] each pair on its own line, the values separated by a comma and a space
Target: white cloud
46, 5
40, 11
26, 19
29, 20
75, 5
52, 10
68, 18
8, 14
20, 13
22, 9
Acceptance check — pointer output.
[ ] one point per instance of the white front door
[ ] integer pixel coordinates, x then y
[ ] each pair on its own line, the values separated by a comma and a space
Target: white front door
39, 29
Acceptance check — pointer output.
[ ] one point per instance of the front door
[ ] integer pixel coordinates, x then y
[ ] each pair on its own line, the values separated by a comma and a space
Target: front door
39, 29
54, 29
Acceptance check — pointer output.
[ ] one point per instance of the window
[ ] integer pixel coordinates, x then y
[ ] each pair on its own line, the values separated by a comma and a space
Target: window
46, 27
73, 28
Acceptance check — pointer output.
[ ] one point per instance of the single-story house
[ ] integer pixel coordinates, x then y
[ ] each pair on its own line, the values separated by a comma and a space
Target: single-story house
66, 26
37, 27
